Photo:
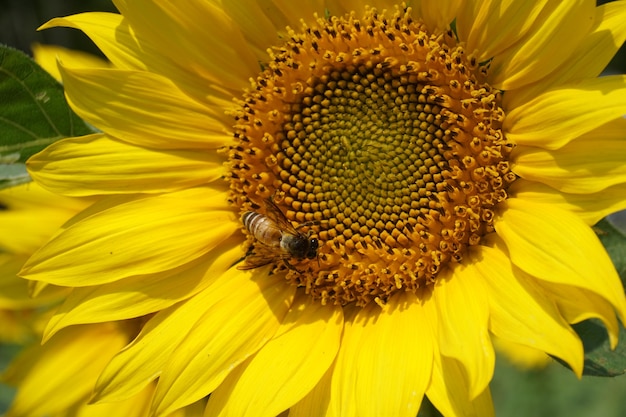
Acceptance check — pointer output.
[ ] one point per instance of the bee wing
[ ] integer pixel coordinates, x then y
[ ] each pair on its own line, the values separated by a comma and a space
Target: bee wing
258, 257
253, 261
277, 216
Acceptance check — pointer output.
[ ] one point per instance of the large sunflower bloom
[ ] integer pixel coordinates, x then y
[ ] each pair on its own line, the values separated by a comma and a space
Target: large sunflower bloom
439, 187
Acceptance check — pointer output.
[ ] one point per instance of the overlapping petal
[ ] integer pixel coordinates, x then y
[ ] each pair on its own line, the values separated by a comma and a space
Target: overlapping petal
110, 237
142, 108
47, 56
580, 254
241, 315
182, 39
449, 388
569, 168
592, 56
31, 214
98, 164
395, 378
490, 27
554, 35
522, 313
287, 367
438, 15
556, 117
591, 208
66, 364
142, 295
463, 334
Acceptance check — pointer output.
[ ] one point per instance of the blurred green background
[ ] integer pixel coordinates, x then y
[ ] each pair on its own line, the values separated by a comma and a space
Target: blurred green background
551, 392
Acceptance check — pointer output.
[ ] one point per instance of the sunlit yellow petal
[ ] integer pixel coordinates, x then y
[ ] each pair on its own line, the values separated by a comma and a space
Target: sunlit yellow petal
576, 305
377, 372
463, 334
227, 62
142, 108
591, 208
522, 313
150, 353
438, 15
317, 402
591, 58
47, 57
67, 364
136, 406
31, 214
110, 238
287, 367
490, 27
558, 116
569, 169
555, 35
142, 295
110, 32
241, 315
531, 232
448, 391
97, 164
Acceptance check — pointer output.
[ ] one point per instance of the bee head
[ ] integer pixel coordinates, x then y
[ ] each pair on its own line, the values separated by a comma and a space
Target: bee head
313, 245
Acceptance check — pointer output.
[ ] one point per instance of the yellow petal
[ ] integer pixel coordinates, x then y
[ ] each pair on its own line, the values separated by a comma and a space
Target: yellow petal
48, 55
489, 26
295, 359
263, 23
32, 215
556, 246
136, 406
555, 35
129, 49
317, 402
210, 48
591, 57
384, 363
142, 108
111, 34
243, 312
107, 241
198, 324
571, 169
438, 15
523, 313
463, 334
67, 364
14, 293
97, 164
591, 208
558, 116
577, 305
142, 295
449, 391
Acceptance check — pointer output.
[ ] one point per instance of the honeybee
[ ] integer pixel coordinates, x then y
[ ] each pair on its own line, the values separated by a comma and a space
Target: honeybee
277, 238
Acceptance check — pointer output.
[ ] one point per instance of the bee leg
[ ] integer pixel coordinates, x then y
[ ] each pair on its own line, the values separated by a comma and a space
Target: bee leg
290, 266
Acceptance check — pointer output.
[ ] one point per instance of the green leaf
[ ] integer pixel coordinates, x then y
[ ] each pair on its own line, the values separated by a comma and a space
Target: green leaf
600, 360
33, 114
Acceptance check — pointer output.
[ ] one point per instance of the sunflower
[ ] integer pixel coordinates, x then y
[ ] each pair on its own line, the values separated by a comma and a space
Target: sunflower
331, 208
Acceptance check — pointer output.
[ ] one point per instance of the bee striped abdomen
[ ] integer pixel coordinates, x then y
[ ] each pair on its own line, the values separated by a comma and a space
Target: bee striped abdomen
262, 228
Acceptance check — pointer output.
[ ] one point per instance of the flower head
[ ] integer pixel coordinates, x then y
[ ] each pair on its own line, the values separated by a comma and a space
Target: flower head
411, 189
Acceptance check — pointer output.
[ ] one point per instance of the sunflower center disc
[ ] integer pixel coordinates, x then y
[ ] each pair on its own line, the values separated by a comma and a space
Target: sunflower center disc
381, 141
